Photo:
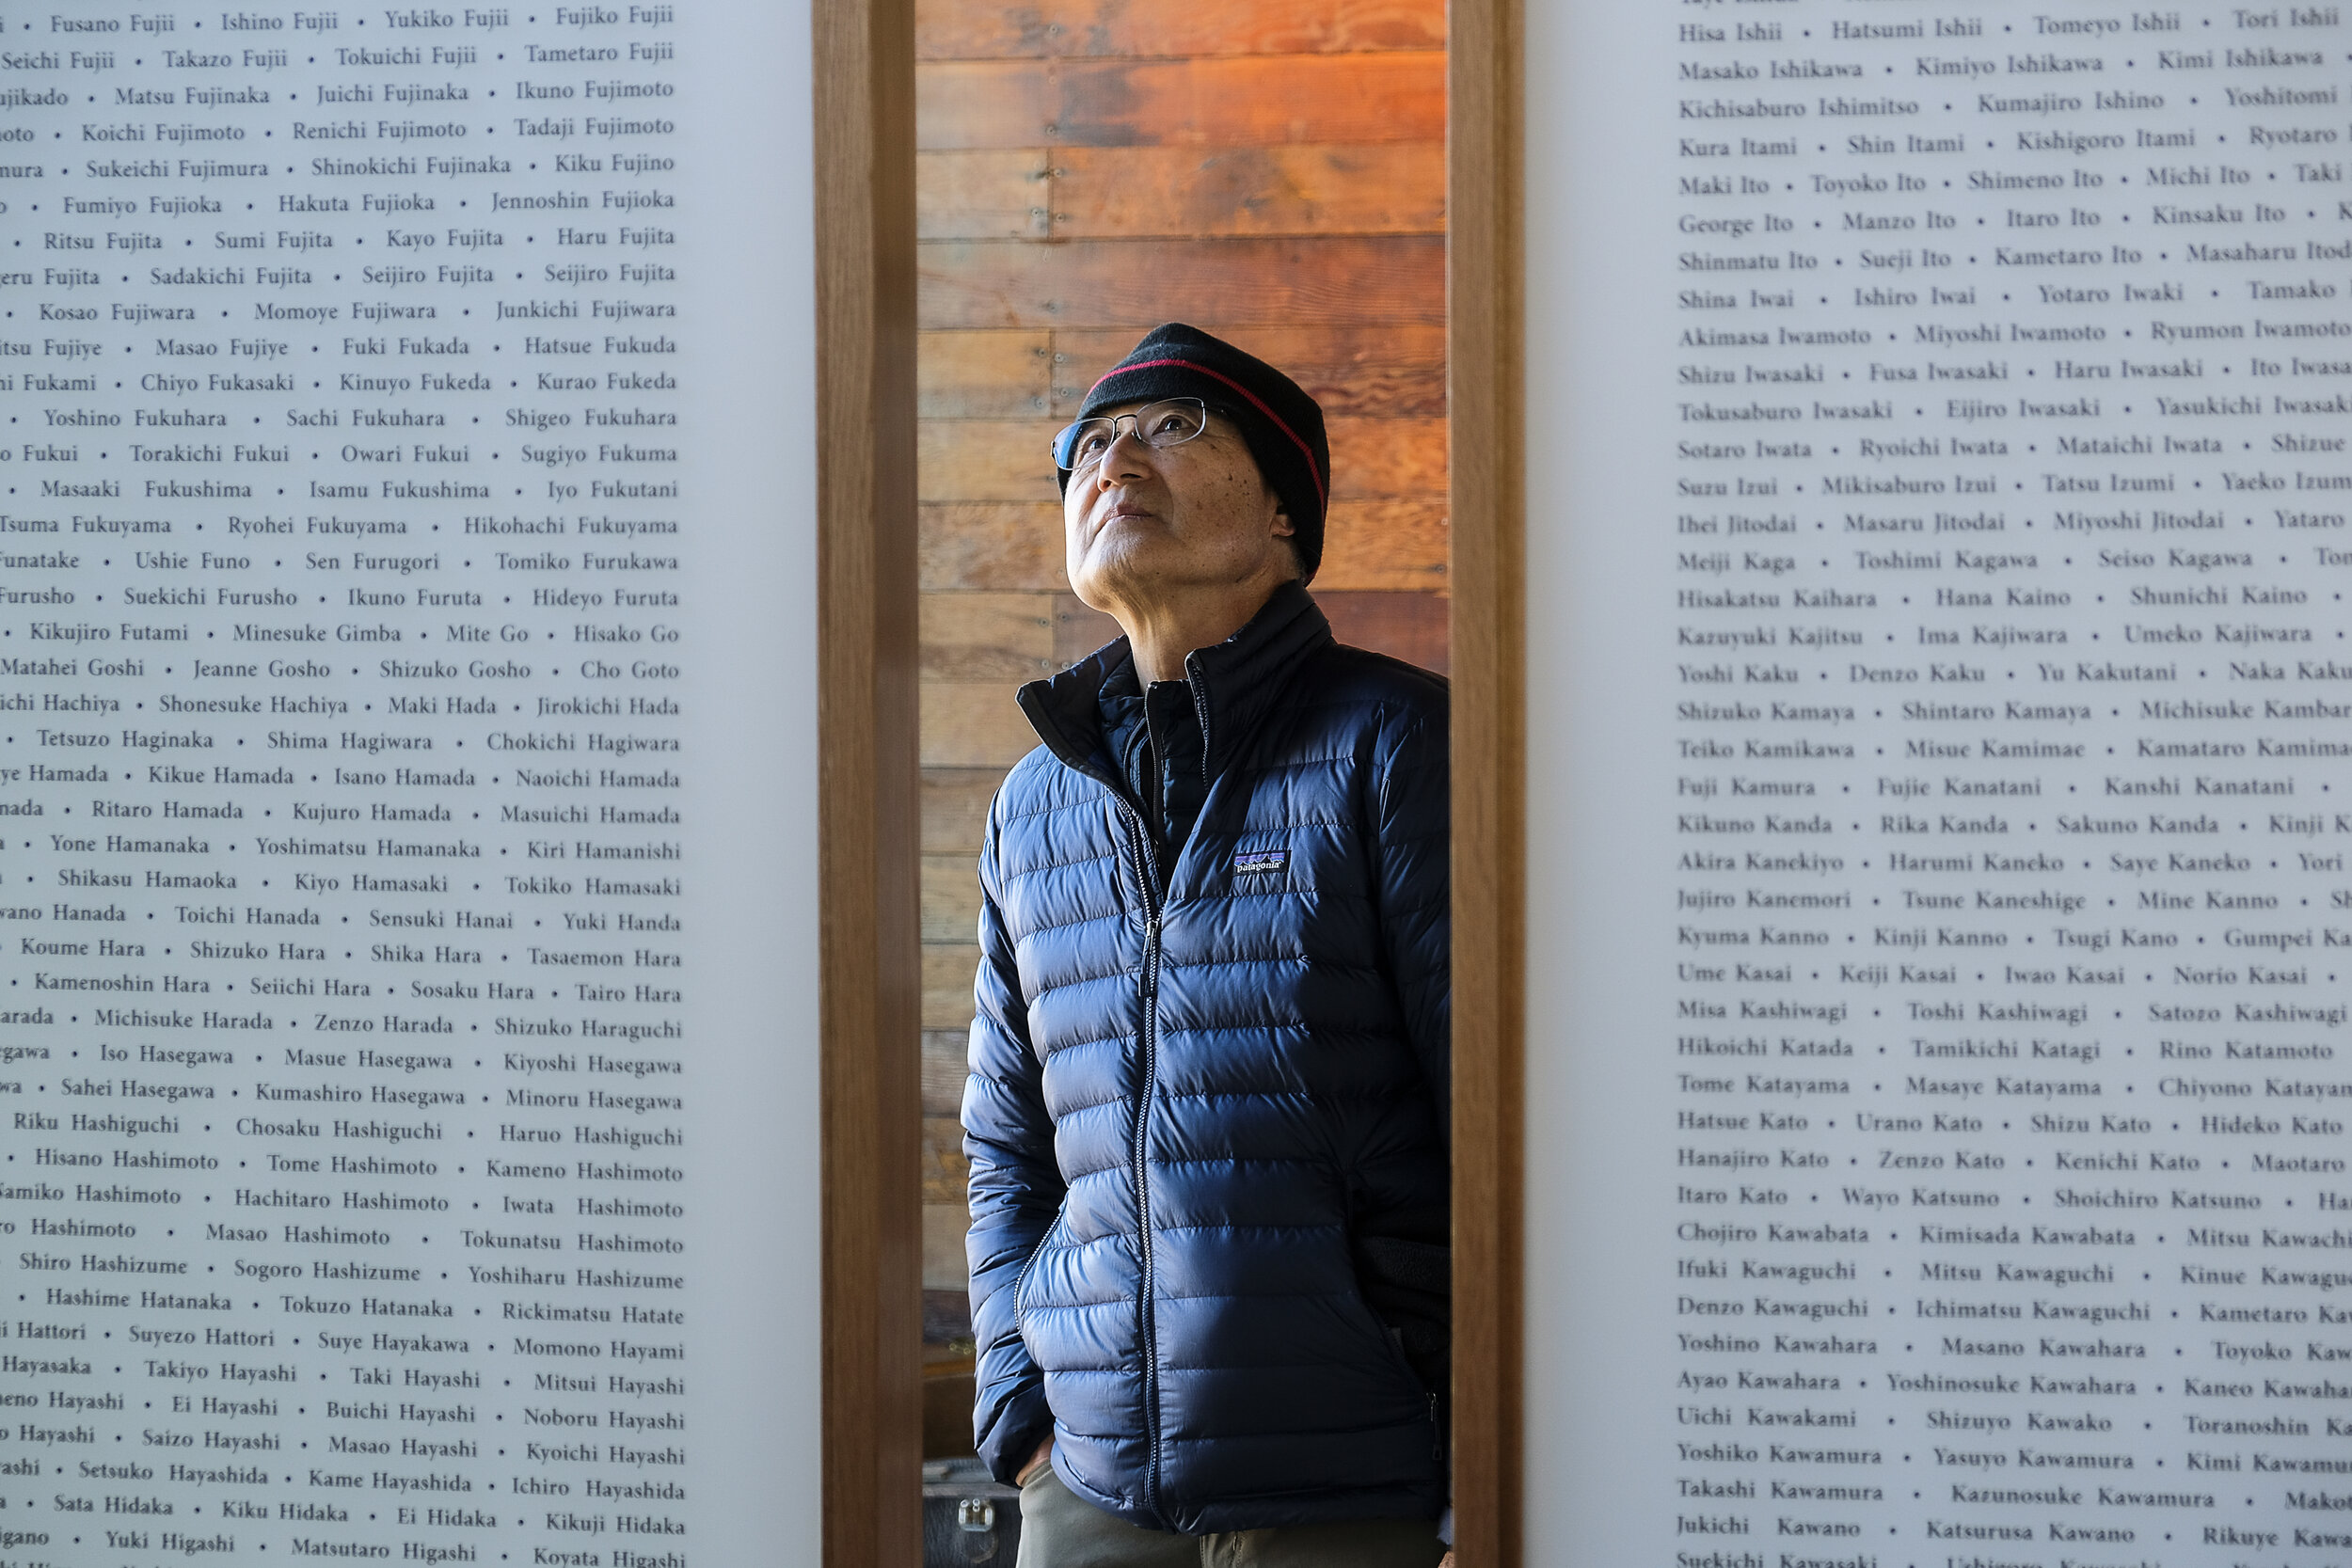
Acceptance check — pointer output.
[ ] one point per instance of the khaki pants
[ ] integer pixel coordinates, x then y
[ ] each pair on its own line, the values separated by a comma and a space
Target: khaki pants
1061, 1529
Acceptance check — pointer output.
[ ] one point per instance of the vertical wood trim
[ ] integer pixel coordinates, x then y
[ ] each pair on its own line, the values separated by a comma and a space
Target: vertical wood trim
1483, 352
871, 990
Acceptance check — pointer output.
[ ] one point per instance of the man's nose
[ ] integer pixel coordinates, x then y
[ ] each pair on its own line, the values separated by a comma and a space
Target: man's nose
1127, 458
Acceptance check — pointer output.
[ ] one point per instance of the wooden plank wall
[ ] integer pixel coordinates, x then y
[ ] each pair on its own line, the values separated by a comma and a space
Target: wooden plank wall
1271, 171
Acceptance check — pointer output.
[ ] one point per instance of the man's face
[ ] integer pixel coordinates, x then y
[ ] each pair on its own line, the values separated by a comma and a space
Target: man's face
1146, 523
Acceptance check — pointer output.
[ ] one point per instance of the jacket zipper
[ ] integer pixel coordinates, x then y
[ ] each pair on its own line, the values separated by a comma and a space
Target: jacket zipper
1148, 873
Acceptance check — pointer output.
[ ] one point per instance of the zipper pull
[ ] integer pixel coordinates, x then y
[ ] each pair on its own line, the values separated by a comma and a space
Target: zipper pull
1437, 1433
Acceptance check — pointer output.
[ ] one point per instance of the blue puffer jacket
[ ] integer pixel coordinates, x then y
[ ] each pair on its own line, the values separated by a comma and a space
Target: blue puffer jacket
1208, 1103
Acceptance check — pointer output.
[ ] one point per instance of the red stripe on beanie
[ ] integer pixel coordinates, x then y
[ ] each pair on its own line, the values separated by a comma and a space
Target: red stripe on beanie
1255, 402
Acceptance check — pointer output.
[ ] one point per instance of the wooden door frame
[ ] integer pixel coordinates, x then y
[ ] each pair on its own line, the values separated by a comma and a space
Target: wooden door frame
871, 988
1487, 509
867, 660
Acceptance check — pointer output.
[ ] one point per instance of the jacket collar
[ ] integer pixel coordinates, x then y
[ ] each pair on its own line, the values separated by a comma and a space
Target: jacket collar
1234, 684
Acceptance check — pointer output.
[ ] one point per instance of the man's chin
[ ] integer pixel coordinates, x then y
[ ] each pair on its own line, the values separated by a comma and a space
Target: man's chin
1116, 571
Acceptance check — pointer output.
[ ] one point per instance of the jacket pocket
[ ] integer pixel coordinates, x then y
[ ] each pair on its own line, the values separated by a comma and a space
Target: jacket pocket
1403, 1364
1021, 1280
1389, 1342
1406, 1289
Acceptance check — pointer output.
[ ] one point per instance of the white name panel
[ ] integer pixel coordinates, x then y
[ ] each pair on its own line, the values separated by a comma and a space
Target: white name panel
1943, 706
405, 654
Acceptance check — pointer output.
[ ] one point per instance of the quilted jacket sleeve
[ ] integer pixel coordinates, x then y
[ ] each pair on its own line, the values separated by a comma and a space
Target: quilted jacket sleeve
1414, 831
1016, 1190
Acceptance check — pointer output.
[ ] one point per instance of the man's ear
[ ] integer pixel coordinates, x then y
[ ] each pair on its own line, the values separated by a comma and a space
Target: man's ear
1288, 533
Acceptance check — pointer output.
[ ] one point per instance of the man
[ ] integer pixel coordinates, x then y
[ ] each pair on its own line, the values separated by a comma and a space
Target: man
1207, 1112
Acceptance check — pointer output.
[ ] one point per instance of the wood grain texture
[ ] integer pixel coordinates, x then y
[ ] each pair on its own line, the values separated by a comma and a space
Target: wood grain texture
983, 194
951, 898
1252, 101
1485, 351
870, 997
990, 638
1246, 100
974, 726
1384, 459
1079, 630
943, 1269
1007, 544
983, 375
1135, 284
1394, 371
1385, 545
948, 971
971, 104
958, 29
987, 460
1224, 192
1179, 192
955, 809
945, 1066
944, 1169
1410, 626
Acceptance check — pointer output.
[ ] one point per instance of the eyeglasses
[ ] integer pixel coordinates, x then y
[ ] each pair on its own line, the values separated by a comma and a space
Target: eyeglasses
1169, 422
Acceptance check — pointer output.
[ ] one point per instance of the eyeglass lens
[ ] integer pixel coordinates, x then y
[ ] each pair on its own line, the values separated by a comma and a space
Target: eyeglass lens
1158, 425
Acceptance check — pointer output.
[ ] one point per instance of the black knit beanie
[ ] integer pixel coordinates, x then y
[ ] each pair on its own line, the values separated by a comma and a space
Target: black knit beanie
1281, 423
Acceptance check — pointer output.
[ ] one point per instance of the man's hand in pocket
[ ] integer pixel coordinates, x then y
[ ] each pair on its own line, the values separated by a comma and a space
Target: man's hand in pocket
1043, 1456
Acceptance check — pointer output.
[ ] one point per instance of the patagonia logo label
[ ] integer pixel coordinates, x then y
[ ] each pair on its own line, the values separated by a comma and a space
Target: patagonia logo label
1249, 861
